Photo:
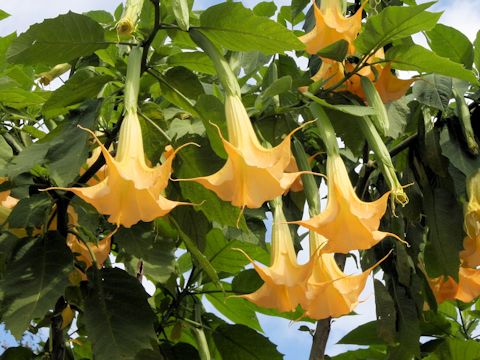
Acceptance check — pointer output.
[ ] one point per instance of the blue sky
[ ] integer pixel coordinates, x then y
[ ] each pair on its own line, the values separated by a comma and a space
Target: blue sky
462, 14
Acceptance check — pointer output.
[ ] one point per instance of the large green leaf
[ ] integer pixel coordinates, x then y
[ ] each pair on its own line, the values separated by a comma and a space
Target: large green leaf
237, 28
448, 42
239, 342
372, 353
84, 84
222, 254
34, 280
144, 243
234, 308
30, 212
63, 151
365, 334
393, 23
386, 315
434, 91
194, 61
415, 57
117, 316
453, 150
57, 40
476, 55
445, 232
456, 349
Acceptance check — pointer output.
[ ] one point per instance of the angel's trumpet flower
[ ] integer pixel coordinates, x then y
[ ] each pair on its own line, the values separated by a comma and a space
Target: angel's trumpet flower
390, 87
347, 223
471, 244
466, 290
131, 13
331, 292
331, 26
47, 77
132, 191
252, 174
284, 281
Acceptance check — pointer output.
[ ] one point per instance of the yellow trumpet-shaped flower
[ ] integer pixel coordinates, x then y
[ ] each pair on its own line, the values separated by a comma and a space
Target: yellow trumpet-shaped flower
131, 191
466, 290
284, 281
252, 174
390, 87
332, 293
331, 26
471, 253
348, 222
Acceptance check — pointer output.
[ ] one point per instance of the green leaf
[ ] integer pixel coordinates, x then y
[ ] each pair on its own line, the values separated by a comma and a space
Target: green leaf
194, 61
63, 151
180, 128
398, 112
235, 309
434, 91
239, 29
222, 254
185, 81
415, 57
6, 152
31, 212
444, 219
117, 317
84, 84
452, 149
246, 282
298, 6
3, 15
17, 353
239, 342
448, 42
354, 110
212, 111
476, 55
278, 87
201, 162
34, 280
372, 353
394, 23
336, 51
145, 244
58, 40
265, 8
456, 349
365, 334
13, 95
386, 315
182, 13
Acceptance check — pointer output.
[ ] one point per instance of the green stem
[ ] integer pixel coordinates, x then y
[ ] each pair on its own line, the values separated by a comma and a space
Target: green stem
327, 133
309, 184
384, 159
224, 72
132, 82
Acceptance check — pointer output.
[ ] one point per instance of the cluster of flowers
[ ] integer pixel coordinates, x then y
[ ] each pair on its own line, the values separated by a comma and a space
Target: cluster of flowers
468, 286
332, 26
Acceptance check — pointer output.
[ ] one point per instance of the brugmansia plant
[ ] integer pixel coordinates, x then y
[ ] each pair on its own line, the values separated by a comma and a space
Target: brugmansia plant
162, 168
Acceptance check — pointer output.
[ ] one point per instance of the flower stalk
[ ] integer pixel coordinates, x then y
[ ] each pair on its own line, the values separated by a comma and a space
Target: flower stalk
385, 161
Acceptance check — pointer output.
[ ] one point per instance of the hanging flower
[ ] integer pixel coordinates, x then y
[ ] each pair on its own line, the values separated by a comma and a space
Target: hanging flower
330, 292
466, 290
284, 281
471, 244
348, 222
331, 26
252, 174
390, 87
131, 191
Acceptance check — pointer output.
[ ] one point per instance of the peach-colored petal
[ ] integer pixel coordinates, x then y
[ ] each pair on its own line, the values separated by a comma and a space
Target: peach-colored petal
348, 222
